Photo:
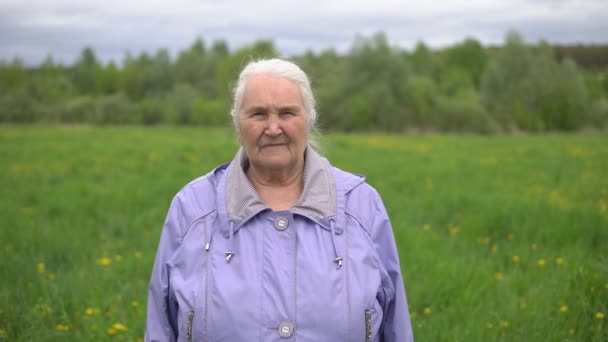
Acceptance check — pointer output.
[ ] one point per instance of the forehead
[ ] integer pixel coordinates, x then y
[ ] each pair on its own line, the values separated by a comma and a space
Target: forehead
271, 90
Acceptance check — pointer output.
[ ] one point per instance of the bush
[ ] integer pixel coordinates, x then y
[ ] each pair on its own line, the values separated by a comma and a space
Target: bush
598, 116
78, 110
113, 109
420, 94
178, 106
150, 110
464, 113
211, 112
17, 106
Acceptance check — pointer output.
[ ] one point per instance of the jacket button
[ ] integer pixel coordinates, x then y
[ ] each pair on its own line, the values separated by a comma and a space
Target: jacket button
285, 329
281, 223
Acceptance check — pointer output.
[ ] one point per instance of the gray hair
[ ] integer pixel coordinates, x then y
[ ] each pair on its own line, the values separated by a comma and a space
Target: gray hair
279, 68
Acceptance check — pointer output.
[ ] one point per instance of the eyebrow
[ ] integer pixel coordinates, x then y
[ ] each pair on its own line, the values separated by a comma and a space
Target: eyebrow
291, 108
288, 108
254, 109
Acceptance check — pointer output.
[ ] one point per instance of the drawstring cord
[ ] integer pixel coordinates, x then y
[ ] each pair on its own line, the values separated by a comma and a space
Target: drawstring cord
229, 253
338, 259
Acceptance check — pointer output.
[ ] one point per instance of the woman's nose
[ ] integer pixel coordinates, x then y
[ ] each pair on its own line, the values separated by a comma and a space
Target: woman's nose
274, 126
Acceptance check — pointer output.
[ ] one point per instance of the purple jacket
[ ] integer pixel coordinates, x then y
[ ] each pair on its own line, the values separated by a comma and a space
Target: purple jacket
228, 268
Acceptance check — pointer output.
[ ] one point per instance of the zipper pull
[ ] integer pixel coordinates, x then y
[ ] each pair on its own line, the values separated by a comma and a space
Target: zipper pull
208, 244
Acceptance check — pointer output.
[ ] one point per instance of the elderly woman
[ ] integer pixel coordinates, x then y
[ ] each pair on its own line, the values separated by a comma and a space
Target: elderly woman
277, 244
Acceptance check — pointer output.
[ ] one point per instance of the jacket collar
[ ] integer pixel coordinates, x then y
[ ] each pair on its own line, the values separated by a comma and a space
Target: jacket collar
317, 202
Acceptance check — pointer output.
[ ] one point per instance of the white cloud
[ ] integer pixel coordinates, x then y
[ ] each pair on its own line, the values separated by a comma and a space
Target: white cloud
34, 28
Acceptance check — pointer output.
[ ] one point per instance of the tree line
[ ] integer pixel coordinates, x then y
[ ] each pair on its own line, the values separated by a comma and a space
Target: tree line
374, 86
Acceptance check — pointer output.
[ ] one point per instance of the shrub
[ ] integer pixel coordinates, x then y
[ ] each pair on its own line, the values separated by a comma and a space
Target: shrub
113, 109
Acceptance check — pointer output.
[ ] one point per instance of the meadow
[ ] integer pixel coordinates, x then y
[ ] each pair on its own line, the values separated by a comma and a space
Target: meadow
501, 238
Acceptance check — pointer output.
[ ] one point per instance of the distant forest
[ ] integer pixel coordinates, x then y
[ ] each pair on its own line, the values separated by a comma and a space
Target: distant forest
515, 87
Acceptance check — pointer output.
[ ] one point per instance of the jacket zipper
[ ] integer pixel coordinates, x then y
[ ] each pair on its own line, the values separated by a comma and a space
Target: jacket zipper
368, 325
189, 326
207, 246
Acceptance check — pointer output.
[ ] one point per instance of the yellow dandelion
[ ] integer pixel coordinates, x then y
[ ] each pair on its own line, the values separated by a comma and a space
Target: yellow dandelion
62, 327
534, 247
606, 286
489, 325
111, 331
426, 227
139, 339
138, 255
134, 303
523, 304
2, 332
93, 327
559, 261
51, 276
41, 267
454, 230
571, 331
515, 258
44, 308
105, 261
118, 257
494, 248
599, 315
119, 327
91, 311
504, 324
602, 205
413, 315
499, 276
427, 310
541, 262
484, 240
563, 309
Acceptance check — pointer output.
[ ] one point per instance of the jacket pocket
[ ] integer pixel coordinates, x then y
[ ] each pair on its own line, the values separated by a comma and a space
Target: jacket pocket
368, 325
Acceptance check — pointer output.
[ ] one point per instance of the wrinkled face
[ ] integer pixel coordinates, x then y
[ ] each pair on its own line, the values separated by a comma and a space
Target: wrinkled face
273, 124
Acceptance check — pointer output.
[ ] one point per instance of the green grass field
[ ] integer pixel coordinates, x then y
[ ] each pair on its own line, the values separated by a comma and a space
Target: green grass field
501, 238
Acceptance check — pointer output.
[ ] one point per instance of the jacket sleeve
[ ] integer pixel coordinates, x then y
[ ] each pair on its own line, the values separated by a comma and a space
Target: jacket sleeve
396, 325
161, 317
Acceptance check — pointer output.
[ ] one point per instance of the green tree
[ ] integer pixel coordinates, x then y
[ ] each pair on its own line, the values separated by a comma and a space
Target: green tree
108, 79
507, 89
12, 75
469, 57
525, 87
377, 73
85, 71
422, 60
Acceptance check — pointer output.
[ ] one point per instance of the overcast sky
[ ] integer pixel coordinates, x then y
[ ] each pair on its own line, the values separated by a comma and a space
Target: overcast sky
32, 29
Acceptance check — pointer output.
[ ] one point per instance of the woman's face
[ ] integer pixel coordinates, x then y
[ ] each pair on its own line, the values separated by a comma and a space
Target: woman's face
273, 123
